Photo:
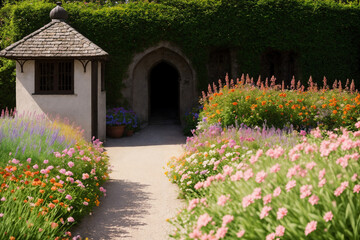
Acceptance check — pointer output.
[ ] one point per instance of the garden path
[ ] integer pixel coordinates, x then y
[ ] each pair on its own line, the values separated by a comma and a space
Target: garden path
139, 196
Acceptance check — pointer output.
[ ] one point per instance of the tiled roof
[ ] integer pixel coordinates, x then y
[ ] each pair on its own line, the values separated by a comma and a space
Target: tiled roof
57, 39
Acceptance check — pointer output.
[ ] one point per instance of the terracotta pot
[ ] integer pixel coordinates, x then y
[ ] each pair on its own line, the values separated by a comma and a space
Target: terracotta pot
129, 133
115, 131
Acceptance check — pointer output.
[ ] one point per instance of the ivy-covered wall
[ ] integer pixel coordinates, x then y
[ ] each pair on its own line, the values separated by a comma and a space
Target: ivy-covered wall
323, 34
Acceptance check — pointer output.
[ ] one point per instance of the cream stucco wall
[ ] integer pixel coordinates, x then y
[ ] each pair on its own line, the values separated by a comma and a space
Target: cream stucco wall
75, 107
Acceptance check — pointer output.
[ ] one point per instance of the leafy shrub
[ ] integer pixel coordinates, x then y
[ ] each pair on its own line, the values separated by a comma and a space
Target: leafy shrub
51, 177
307, 191
213, 147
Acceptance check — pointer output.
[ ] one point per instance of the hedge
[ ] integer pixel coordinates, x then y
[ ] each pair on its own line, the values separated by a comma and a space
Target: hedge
324, 34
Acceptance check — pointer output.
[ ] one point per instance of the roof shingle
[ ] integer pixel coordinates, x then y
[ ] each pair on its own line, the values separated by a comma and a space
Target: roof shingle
56, 39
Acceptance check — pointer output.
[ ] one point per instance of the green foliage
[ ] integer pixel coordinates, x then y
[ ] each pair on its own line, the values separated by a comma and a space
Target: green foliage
324, 34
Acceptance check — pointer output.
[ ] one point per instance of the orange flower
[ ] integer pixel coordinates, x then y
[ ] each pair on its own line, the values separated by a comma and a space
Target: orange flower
247, 97
334, 112
234, 103
42, 191
51, 205
218, 111
323, 106
12, 238
54, 225
300, 114
263, 103
55, 201
53, 188
281, 106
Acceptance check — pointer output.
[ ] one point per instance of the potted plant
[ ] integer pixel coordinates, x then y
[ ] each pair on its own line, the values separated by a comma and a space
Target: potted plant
132, 123
115, 122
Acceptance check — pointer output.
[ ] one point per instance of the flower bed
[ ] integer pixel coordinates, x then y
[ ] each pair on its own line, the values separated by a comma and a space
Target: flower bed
245, 102
51, 177
257, 182
306, 191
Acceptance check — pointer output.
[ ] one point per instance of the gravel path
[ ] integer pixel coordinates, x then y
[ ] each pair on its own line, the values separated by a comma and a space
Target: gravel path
139, 196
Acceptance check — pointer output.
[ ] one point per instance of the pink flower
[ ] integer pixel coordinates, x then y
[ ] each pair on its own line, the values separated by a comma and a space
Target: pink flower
280, 230
290, 185
271, 236
68, 197
85, 203
71, 164
260, 176
277, 191
256, 193
275, 153
328, 216
222, 200
35, 166
227, 170
294, 157
322, 182
199, 185
195, 234
342, 162
1, 215
248, 174
310, 165
240, 233
62, 171
28, 160
247, 200
354, 177
70, 219
322, 173
237, 176
221, 232
193, 203
85, 176
46, 161
340, 189
356, 188
357, 124
313, 200
267, 199
310, 227
281, 213
226, 219
265, 212
3, 199
275, 168
203, 220
305, 191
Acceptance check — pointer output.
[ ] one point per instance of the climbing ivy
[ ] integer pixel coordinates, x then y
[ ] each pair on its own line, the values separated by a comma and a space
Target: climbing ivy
324, 34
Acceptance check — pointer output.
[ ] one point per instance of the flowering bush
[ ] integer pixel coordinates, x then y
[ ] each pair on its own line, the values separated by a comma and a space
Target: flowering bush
309, 190
209, 150
121, 116
245, 102
50, 177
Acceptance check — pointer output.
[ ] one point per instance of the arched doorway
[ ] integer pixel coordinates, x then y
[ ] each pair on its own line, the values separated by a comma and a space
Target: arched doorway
164, 94
168, 59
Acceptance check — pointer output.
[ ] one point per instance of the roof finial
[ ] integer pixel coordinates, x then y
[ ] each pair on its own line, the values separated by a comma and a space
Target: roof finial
58, 13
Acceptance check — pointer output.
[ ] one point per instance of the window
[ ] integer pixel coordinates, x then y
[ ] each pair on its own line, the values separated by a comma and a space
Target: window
54, 77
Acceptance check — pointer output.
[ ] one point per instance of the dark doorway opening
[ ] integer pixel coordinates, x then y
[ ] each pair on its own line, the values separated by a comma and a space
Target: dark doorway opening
164, 94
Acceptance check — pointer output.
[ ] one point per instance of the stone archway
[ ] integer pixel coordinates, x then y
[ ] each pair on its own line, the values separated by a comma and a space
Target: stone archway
138, 83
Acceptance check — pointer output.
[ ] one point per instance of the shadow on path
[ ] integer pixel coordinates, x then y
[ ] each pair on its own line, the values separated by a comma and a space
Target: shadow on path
151, 135
124, 206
